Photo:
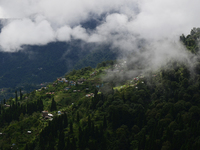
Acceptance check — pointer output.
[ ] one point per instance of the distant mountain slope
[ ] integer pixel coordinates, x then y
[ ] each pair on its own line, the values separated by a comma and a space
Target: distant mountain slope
39, 64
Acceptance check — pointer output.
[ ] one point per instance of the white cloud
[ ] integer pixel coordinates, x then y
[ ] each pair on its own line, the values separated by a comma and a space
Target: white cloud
25, 31
64, 33
126, 21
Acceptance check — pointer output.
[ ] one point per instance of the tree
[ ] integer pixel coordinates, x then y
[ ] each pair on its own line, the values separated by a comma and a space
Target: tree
71, 127
61, 142
104, 122
78, 118
16, 98
65, 120
53, 105
21, 94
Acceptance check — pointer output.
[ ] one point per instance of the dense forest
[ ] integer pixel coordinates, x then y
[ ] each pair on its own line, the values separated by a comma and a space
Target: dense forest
151, 111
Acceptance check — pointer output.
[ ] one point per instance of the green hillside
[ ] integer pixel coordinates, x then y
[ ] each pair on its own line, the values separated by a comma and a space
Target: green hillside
26, 70
90, 110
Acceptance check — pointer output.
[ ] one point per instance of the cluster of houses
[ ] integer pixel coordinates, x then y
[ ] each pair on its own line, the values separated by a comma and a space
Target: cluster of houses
81, 81
93, 73
42, 88
76, 91
90, 95
50, 93
62, 80
5, 105
119, 67
138, 77
47, 115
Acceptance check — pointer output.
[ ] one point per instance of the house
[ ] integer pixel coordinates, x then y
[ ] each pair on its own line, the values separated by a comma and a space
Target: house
72, 83
66, 81
50, 93
67, 88
94, 73
50, 115
79, 82
54, 84
90, 95
44, 113
5, 105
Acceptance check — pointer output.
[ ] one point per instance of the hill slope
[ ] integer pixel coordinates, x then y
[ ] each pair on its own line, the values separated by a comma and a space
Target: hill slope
156, 110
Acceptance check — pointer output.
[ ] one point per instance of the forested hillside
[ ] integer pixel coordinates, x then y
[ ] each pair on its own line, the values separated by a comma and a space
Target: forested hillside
87, 110
28, 68
40, 64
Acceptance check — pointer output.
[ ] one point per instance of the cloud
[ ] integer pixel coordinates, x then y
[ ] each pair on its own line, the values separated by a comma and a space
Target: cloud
25, 31
124, 24
61, 18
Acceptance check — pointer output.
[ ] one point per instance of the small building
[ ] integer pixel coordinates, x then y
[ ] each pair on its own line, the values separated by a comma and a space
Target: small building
67, 88
44, 113
74, 91
59, 112
50, 115
5, 105
92, 94
88, 95
54, 84
28, 132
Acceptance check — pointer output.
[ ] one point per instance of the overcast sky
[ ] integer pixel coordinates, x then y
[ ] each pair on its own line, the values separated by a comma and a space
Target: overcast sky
38, 22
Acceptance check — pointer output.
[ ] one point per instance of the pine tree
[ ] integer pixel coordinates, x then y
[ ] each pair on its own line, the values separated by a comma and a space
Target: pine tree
53, 105
26, 147
61, 142
71, 127
89, 122
78, 119
65, 120
21, 94
16, 98
104, 122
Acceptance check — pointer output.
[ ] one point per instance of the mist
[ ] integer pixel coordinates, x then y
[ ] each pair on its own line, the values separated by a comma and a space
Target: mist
150, 29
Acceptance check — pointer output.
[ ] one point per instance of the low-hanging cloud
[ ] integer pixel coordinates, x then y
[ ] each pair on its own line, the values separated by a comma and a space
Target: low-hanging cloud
124, 24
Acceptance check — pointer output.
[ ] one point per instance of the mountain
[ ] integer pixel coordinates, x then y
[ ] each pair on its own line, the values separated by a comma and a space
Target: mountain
40, 64
94, 108
35, 65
